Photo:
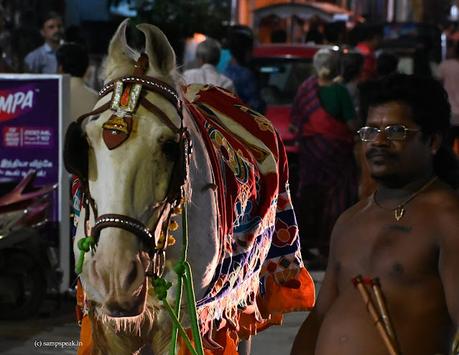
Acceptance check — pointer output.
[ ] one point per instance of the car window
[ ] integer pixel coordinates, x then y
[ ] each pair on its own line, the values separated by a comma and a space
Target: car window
279, 78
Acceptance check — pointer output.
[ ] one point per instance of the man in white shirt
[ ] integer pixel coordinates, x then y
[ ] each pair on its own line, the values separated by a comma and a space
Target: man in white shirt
208, 55
43, 59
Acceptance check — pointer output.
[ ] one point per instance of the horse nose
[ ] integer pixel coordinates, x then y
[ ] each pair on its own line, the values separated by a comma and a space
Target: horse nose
129, 279
133, 273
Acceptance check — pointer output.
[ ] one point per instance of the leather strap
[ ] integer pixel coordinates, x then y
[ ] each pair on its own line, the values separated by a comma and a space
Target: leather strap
158, 112
123, 222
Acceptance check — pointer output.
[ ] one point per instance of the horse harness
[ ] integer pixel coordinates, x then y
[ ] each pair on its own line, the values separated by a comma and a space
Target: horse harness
128, 93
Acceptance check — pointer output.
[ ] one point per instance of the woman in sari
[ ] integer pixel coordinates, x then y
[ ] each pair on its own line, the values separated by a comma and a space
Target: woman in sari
324, 119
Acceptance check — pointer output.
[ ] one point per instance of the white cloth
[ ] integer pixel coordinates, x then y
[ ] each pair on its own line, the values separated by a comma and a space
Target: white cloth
82, 98
449, 75
208, 74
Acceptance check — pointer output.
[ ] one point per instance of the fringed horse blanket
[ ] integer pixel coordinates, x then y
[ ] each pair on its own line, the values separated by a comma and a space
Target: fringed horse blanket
260, 274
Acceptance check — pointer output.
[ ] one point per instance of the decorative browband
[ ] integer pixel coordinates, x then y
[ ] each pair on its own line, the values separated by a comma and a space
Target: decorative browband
153, 84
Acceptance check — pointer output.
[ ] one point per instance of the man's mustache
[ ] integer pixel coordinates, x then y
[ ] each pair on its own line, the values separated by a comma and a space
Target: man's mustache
379, 152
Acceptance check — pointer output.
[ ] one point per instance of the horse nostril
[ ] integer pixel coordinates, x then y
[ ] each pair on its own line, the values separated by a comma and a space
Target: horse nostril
132, 274
118, 310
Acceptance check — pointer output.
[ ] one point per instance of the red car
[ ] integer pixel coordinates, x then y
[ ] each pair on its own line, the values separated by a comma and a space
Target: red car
281, 68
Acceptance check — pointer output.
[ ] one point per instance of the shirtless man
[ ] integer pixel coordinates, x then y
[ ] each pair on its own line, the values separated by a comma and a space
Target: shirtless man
417, 256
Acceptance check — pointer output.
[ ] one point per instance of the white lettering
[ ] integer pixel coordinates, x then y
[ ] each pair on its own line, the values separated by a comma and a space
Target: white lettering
28, 100
5, 104
10, 103
18, 98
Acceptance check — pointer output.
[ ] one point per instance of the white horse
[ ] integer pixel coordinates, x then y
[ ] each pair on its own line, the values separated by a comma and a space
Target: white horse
131, 154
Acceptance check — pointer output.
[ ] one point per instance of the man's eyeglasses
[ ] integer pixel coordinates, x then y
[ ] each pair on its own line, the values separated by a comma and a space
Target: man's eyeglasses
392, 132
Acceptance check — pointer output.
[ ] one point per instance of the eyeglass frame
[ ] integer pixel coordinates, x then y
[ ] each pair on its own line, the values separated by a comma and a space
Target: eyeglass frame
379, 130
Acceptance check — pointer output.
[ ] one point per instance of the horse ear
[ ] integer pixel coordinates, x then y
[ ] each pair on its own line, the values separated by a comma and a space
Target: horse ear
158, 48
119, 50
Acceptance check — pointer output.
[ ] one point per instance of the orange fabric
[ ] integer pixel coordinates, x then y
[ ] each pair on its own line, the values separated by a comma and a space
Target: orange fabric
85, 330
85, 337
284, 298
298, 296
280, 299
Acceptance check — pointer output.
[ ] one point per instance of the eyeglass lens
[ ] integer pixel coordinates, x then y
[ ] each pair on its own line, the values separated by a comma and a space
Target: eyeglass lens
392, 132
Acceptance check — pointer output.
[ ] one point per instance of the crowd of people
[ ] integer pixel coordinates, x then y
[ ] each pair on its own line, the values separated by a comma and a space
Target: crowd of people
376, 194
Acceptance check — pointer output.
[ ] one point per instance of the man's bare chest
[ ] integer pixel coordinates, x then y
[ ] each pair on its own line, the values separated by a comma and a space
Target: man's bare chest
403, 251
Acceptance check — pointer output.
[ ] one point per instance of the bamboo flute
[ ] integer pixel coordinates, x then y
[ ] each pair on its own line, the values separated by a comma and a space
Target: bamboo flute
381, 301
371, 308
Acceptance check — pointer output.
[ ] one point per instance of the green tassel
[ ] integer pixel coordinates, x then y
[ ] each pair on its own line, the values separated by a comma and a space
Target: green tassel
85, 245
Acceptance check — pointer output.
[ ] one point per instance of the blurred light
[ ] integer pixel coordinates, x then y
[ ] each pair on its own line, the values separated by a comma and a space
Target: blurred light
335, 48
198, 38
454, 12
269, 70
123, 8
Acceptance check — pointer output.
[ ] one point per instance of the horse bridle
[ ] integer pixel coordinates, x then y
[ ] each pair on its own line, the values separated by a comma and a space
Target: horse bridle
128, 93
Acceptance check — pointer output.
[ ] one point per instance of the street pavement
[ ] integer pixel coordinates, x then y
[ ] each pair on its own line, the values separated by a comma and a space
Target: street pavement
54, 331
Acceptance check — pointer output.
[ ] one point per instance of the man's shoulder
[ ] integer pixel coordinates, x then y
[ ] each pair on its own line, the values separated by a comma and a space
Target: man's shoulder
444, 214
77, 85
444, 202
348, 215
449, 63
191, 72
36, 52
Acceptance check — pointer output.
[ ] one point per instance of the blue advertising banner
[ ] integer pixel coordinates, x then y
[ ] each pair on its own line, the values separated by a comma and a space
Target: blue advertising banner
33, 119
29, 126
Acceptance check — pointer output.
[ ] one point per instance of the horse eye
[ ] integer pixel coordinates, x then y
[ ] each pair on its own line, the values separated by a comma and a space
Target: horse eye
94, 118
171, 149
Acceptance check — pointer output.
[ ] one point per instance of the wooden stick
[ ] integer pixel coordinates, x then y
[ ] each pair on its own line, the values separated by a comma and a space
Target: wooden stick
455, 346
358, 283
381, 301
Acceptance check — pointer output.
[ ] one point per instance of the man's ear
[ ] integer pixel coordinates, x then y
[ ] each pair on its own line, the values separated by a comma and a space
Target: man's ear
435, 143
